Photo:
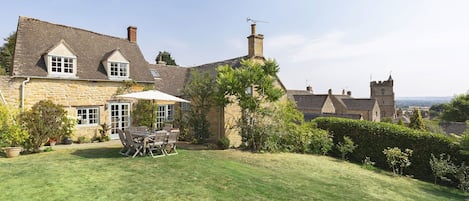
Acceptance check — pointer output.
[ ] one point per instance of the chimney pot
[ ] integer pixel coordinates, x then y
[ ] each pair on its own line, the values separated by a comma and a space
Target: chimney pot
349, 93
132, 34
253, 29
309, 89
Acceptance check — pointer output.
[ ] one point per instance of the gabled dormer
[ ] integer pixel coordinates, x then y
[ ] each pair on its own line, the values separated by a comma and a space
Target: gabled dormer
61, 61
117, 66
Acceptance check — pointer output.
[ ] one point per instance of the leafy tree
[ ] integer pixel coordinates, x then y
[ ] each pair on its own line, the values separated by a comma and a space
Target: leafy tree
45, 120
457, 109
442, 167
398, 160
436, 110
6, 54
416, 121
346, 147
166, 57
142, 113
200, 90
400, 122
251, 86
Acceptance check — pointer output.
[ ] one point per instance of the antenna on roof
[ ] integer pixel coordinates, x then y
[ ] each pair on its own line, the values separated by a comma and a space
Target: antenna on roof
248, 19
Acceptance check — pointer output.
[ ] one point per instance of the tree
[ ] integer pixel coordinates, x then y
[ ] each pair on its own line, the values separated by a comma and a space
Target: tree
166, 57
200, 90
457, 109
6, 54
442, 167
416, 121
436, 110
252, 87
346, 147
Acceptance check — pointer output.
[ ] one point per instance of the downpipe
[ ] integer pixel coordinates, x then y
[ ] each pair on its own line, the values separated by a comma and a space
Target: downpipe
23, 85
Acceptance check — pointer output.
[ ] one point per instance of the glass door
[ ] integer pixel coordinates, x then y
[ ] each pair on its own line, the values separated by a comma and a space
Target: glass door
120, 118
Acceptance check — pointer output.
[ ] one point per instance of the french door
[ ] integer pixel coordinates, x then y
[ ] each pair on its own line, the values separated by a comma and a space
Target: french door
120, 118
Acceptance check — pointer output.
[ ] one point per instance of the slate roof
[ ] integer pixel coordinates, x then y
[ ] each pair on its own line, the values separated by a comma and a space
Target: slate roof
35, 38
172, 78
359, 104
311, 102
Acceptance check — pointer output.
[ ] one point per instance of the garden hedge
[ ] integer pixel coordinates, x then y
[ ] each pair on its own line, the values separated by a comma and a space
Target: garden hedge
373, 137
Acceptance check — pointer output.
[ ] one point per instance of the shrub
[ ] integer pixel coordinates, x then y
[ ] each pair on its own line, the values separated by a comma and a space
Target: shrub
374, 137
11, 131
368, 164
45, 120
223, 143
321, 142
83, 139
442, 167
397, 159
462, 175
346, 147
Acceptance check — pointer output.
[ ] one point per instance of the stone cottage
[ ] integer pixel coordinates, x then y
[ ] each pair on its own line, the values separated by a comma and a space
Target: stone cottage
83, 71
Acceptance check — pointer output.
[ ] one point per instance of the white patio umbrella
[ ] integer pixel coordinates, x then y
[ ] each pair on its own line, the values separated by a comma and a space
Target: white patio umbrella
155, 96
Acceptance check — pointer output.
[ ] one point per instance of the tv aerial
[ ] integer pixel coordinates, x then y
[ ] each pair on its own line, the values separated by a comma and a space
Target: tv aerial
248, 19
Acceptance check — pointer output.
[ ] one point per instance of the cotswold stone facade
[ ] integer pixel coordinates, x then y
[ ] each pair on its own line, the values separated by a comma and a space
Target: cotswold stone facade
82, 71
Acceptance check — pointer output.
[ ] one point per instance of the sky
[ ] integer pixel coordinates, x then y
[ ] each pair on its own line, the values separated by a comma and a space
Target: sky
333, 44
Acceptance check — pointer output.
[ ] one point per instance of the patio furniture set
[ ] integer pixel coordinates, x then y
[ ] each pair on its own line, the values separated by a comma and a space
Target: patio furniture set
142, 141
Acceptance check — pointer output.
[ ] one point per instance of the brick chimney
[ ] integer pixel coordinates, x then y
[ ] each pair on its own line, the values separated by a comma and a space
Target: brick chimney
132, 34
255, 43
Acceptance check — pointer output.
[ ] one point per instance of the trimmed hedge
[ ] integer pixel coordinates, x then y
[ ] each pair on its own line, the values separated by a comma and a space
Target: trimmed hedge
373, 137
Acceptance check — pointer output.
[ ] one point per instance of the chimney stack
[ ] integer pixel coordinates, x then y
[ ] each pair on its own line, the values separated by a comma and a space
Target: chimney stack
349, 93
132, 34
255, 43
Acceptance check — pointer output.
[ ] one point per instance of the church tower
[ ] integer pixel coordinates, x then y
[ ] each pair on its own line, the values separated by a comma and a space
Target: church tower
383, 92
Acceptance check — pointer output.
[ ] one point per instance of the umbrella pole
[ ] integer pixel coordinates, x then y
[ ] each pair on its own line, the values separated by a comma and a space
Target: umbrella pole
152, 114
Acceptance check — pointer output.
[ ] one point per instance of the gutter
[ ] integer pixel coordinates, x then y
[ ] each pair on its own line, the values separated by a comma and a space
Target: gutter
23, 85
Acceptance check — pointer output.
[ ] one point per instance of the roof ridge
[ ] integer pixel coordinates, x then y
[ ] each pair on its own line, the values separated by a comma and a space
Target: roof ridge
24, 18
241, 57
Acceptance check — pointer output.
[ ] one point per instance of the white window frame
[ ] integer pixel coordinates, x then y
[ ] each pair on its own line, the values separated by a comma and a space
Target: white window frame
86, 121
62, 61
164, 113
121, 67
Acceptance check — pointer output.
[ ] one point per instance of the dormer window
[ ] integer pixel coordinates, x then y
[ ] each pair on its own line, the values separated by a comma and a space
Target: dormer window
117, 66
61, 64
119, 69
61, 61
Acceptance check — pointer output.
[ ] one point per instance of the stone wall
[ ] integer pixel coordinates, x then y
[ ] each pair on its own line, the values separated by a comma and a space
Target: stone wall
68, 93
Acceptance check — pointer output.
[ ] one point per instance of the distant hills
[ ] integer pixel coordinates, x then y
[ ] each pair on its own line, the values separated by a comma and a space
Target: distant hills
403, 102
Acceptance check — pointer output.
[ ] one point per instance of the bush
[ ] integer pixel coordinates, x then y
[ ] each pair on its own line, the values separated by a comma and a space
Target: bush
45, 120
398, 160
442, 167
223, 143
321, 142
374, 137
346, 147
11, 131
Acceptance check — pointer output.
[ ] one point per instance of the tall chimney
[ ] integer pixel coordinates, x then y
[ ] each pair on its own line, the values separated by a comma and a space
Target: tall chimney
132, 34
255, 43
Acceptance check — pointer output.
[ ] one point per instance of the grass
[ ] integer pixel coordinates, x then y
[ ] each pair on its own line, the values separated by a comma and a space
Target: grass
102, 174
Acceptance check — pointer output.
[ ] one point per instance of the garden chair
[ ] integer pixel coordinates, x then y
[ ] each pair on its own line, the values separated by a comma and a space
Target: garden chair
134, 144
126, 147
157, 143
171, 143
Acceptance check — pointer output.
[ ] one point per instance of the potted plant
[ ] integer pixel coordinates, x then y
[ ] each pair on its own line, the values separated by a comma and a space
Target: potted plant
13, 136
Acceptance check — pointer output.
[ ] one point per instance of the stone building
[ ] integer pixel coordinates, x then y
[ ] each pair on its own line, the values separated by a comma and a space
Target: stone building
383, 92
83, 71
338, 105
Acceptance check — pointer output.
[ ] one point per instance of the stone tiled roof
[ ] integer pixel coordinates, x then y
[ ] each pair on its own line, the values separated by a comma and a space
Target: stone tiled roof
315, 102
292, 92
359, 104
171, 79
35, 38
211, 68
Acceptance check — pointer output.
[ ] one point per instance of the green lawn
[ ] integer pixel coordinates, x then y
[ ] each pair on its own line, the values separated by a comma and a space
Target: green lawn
102, 174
